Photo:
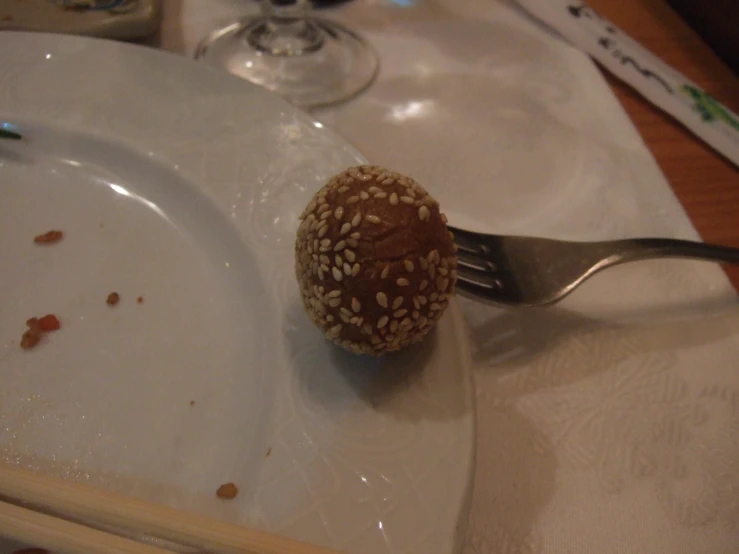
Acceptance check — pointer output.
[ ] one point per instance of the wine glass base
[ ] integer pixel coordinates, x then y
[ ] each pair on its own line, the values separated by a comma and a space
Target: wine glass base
335, 67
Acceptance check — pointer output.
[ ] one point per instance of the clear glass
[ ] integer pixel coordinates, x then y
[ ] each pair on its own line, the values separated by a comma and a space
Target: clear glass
308, 60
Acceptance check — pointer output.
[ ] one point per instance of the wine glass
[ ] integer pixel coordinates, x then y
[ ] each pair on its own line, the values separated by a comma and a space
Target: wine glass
308, 60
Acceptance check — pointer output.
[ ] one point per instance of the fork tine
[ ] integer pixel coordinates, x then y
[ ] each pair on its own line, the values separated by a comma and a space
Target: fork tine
466, 240
471, 285
473, 262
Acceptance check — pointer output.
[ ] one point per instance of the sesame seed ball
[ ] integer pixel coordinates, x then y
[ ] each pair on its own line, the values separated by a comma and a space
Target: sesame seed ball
374, 260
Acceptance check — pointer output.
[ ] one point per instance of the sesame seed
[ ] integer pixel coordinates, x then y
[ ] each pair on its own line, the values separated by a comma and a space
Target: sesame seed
352, 242
325, 215
325, 259
352, 200
372, 218
323, 207
336, 329
355, 270
356, 306
385, 272
381, 299
374, 190
407, 322
445, 263
397, 302
334, 293
423, 213
340, 246
334, 302
390, 337
315, 244
345, 228
422, 321
422, 300
435, 307
423, 263
454, 275
330, 318
444, 219
365, 177
400, 313
433, 296
416, 303
394, 199
339, 212
364, 195
349, 255
347, 269
367, 329
430, 256
402, 282
326, 242
345, 312
324, 267
337, 273
381, 195
428, 201
338, 261
322, 231
320, 274
410, 192
343, 189
357, 219
356, 235
408, 265
393, 326
445, 284
415, 314
374, 339
382, 321
344, 317
388, 181
406, 200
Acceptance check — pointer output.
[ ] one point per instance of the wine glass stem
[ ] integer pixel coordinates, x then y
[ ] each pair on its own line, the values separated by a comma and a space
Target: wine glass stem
286, 29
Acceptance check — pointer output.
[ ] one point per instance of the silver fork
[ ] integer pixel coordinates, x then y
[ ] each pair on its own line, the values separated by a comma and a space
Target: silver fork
528, 271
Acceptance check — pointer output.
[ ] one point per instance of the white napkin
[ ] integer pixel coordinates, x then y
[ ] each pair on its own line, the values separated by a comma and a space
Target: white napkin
659, 83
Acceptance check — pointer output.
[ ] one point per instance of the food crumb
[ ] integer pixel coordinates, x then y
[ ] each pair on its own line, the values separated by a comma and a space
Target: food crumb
36, 328
192, 402
113, 299
49, 323
140, 300
227, 491
49, 237
269, 451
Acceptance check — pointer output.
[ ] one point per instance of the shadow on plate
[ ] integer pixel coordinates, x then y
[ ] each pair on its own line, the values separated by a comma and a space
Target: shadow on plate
414, 384
569, 347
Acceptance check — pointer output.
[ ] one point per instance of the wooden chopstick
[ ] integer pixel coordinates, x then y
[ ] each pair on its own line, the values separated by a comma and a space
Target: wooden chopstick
64, 537
96, 505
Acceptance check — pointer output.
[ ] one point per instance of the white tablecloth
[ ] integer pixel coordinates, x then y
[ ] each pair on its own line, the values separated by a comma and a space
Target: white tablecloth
607, 424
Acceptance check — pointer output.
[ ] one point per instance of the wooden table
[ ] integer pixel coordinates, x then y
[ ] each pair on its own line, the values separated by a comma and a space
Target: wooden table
706, 184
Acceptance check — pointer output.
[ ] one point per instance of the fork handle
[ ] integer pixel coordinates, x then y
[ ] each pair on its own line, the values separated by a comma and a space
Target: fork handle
629, 250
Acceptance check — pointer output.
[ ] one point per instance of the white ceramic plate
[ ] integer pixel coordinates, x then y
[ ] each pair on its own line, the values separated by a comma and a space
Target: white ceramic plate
180, 184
